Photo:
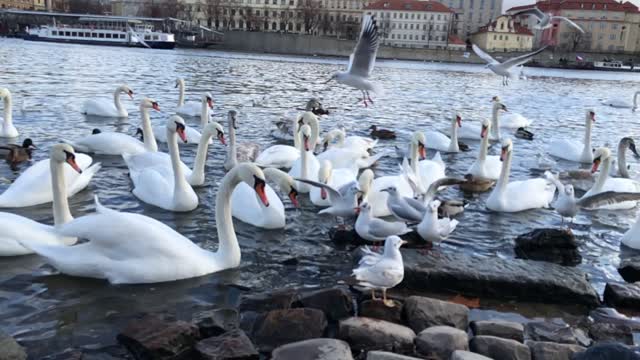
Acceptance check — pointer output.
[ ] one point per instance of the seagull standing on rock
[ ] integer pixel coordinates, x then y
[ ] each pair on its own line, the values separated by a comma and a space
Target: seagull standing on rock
362, 60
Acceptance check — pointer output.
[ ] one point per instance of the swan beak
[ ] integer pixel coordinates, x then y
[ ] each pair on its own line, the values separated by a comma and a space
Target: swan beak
221, 138
504, 108
483, 132
596, 164
423, 151
307, 147
593, 117
503, 154
130, 93
359, 197
155, 106
293, 196
459, 121
210, 103
182, 135
259, 188
323, 193
357, 210
71, 160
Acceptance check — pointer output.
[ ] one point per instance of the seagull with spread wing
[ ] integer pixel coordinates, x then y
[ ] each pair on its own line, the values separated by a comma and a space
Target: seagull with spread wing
362, 60
504, 69
544, 20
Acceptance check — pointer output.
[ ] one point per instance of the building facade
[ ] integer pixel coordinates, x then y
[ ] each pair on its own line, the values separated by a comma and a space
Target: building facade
474, 14
609, 26
413, 23
16, 4
503, 34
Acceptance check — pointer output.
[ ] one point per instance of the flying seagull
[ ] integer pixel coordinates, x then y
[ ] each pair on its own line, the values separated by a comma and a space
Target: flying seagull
544, 20
362, 60
504, 69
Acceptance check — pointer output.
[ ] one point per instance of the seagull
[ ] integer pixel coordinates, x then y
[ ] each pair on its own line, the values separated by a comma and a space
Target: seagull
503, 69
343, 201
381, 271
567, 205
362, 60
374, 229
433, 229
544, 20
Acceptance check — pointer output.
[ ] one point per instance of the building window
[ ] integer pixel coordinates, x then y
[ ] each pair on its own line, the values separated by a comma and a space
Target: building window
410, 37
500, 37
495, 37
393, 36
612, 37
411, 27
438, 16
101, 36
404, 36
412, 16
506, 37
423, 37
395, 15
274, 26
74, 34
121, 36
614, 26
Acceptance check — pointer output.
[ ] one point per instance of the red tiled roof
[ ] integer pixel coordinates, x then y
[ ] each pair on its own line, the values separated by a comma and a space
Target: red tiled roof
408, 5
456, 40
549, 5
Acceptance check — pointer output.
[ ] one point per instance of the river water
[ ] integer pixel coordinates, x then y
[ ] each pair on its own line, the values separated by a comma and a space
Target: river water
49, 312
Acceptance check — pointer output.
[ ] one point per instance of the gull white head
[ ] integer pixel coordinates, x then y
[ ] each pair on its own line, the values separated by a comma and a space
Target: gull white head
433, 206
393, 243
568, 190
64, 153
391, 190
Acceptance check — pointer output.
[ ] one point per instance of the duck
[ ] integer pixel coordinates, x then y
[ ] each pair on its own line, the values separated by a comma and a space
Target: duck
438, 141
511, 120
486, 166
381, 271
622, 167
381, 133
247, 208
623, 104
573, 150
17, 227
110, 254
372, 229
473, 131
195, 176
433, 229
518, 196
189, 108
105, 108
307, 166
288, 123
245, 152
283, 156
168, 190
19, 153
523, 133
8, 130
193, 135
114, 143
605, 183
347, 142
335, 178
476, 185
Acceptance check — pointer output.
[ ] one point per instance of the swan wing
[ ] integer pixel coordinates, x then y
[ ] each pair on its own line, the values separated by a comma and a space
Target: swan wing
280, 156
109, 143
190, 108
607, 198
555, 180
15, 227
82, 181
152, 186
247, 208
100, 107
363, 58
483, 55
529, 194
566, 149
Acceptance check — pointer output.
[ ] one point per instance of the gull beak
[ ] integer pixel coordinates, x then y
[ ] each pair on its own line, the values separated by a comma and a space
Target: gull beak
404, 242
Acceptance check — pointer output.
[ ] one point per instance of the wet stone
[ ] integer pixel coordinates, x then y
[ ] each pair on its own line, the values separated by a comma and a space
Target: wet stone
605, 332
607, 351
314, 349
282, 299
467, 355
422, 312
280, 327
216, 322
336, 303
552, 351
439, 342
232, 345
10, 349
153, 337
499, 328
499, 349
378, 310
622, 295
385, 355
350, 237
364, 334
552, 245
69, 354
630, 269
555, 332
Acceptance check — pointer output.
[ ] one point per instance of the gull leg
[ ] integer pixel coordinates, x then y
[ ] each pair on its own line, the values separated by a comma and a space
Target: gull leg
369, 97
364, 98
386, 301
373, 295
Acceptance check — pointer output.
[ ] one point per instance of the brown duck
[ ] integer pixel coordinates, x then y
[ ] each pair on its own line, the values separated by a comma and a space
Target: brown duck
18, 154
381, 133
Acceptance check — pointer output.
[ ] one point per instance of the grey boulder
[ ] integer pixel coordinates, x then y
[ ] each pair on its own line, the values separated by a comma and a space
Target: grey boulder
439, 342
314, 349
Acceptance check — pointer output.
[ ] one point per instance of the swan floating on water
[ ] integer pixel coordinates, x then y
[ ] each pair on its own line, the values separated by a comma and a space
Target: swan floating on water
623, 104
8, 130
105, 108
244, 152
193, 135
574, 150
605, 183
439, 141
485, 166
190, 108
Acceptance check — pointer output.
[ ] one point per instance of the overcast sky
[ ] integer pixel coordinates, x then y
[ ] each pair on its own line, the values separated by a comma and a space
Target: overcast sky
511, 3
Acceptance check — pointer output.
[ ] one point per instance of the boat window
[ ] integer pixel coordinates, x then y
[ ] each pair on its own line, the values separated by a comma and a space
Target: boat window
108, 36
155, 37
94, 35
121, 36
67, 33
54, 33
73, 33
101, 35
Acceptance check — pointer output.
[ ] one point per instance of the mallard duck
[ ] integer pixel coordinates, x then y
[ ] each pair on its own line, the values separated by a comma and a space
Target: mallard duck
381, 133
474, 184
18, 154
523, 133
462, 146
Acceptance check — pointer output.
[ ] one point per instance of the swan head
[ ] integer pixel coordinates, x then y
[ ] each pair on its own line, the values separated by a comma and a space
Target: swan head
177, 125
285, 183
420, 140
64, 153
206, 97
127, 90
5, 93
497, 105
324, 176
148, 103
599, 156
433, 206
629, 143
507, 148
393, 243
213, 128
568, 190
305, 132
486, 125
458, 119
232, 116
365, 181
254, 177
332, 135
179, 82
590, 116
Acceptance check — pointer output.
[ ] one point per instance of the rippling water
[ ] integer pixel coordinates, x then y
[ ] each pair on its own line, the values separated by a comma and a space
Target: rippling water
50, 82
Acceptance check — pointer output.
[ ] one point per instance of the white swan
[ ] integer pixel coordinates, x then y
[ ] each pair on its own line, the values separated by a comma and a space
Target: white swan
621, 168
158, 252
485, 166
14, 227
623, 104
168, 190
511, 120
573, 150
113, 143
283, 156
441, 142
193, 135
427, 171
308, 165
189, 108
34, 185
605, 183
433, 229
473, 131
105, 108
246, 206
335, 178
518, 195
343, 141
244, 152
7, 130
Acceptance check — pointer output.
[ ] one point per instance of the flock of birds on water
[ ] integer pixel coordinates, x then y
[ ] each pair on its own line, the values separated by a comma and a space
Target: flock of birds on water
337, 179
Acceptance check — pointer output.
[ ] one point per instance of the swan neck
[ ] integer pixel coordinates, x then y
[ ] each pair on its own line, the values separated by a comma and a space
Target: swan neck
622, 160
484, 147
453, 145
304, 158
604, 174
204, 114
228, 248
315, 132
340, 136
413, 156
61, 213
232, 157
504, 174
197, 174
587, 136
179, 181
181, 96
8, 112
495, 123
635, 99
147, 131
116, 100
